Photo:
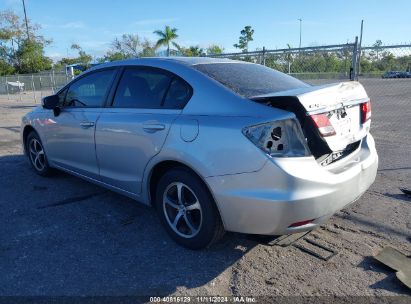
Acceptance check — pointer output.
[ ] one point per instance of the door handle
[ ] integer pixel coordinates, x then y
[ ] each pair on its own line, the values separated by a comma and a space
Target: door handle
87, 124
151, 128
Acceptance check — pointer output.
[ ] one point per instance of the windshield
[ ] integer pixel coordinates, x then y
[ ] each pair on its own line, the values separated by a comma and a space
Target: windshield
250, 80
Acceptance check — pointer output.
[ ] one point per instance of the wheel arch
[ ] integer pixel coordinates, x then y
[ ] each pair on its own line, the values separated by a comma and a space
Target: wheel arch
26, 131
161, 168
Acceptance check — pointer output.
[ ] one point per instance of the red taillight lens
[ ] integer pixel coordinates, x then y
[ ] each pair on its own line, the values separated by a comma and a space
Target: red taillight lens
365, 111
323, 124
302, 223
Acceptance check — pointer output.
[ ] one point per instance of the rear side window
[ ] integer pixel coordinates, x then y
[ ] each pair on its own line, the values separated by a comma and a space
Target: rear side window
177, 95
249, 80
141, 88
90, 90
151, 89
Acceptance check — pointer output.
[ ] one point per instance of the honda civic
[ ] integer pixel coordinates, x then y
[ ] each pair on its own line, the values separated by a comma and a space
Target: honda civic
213, 145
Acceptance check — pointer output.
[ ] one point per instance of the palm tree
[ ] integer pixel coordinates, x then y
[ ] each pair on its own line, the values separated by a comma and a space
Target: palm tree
166, 37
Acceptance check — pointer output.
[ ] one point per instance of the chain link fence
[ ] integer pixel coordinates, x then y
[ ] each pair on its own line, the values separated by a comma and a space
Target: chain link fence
315, 65
308, 63
31, 87
385, 72
334, 62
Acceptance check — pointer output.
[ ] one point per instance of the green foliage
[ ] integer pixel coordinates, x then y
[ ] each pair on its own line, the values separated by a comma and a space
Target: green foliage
191, 51
148, 49
245, 38
17, 52
336, 63
82, 59
214, 49
6, 68
112, 56
166, 37
31, 59
295, 62
129, 46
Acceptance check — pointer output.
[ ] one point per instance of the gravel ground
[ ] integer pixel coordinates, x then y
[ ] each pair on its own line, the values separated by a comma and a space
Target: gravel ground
64, 236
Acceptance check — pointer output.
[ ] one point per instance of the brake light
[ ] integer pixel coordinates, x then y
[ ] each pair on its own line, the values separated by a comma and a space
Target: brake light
302, 223
323, 124
365, 111
281, 138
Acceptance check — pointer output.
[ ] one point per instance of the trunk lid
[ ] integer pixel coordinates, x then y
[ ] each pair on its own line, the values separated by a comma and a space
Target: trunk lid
341, 102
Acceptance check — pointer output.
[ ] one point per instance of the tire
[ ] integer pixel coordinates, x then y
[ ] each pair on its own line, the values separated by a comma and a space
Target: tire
36, 155
199, 224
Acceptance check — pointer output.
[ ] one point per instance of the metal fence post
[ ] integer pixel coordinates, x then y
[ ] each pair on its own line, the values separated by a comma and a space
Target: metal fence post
353, 70
33, 87
263, 59
51, 83
18, 85
54, 81
7, 89
41, 88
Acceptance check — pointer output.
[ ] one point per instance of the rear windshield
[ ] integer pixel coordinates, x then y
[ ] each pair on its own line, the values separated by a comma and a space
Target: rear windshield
250, 80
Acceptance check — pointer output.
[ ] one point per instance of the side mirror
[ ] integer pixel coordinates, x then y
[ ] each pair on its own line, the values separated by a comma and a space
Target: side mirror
50, 102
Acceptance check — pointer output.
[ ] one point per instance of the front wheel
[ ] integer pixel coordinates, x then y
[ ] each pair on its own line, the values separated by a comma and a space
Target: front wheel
187, 209
37, 155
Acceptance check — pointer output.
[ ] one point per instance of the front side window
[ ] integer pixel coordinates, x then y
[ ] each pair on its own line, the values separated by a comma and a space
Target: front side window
90, 90
150, 89
62, 96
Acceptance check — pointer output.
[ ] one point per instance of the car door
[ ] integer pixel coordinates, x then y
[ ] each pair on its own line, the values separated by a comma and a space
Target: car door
70, 135
133, 129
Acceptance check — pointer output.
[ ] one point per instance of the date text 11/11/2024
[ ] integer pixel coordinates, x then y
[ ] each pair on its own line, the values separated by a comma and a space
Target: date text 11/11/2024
202, 299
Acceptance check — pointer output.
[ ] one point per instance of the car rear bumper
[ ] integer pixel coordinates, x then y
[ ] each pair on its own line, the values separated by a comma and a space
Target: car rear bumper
291, 190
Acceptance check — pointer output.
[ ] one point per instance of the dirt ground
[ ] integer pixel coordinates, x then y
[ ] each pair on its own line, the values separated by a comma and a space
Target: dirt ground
64, 236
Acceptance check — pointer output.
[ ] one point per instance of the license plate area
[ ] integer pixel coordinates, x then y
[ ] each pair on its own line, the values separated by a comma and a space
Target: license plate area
346, 121
343, 126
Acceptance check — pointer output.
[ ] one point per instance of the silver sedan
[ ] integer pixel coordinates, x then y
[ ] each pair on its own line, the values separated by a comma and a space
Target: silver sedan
214, 145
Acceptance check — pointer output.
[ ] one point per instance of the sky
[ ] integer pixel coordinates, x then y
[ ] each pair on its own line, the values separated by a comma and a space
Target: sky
93, 24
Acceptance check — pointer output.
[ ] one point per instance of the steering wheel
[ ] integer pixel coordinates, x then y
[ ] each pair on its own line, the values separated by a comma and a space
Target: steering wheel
74, 101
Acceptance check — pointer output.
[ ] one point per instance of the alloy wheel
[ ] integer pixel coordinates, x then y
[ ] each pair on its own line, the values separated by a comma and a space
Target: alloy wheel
182, 210
37, 155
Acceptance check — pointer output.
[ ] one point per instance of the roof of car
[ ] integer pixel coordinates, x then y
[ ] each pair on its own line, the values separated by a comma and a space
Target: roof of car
199, 60
188, 61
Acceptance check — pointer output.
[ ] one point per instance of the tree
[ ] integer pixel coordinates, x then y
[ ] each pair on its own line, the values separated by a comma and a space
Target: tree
6, 68
13, 28
194, 51
191, 51
111, 56
214, 49
377, 46
17, 53
129, 46
245, 38
148, 49
83, 58
31, 57
166, 37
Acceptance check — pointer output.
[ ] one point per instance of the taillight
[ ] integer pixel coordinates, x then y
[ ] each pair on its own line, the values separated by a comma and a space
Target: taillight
302, 223
323, 124
365, 111
281, 138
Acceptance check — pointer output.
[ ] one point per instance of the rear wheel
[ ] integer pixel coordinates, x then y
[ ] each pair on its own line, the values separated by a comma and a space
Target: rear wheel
187, 210
37, 155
